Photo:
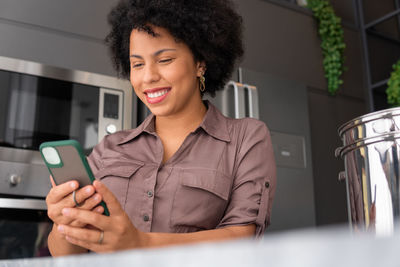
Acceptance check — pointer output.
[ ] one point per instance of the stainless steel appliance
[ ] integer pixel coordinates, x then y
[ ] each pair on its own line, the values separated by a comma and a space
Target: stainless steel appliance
237, 100
371, 153
370, 125
42, 103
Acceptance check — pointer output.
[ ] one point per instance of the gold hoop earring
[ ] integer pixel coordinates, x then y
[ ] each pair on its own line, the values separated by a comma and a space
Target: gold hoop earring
202, 80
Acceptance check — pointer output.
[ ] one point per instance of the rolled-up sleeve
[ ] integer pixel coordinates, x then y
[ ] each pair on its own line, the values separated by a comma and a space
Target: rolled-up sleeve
254, 181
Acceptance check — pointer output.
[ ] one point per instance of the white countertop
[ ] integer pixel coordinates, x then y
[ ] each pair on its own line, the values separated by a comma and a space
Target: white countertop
326, 247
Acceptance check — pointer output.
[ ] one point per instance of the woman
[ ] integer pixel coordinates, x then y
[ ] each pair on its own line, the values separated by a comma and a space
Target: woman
187, 173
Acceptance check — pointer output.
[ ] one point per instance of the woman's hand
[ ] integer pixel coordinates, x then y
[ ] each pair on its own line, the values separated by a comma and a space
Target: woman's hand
116, 232
108, 233
60, 196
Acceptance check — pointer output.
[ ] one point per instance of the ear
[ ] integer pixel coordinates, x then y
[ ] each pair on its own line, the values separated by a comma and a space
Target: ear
201, 68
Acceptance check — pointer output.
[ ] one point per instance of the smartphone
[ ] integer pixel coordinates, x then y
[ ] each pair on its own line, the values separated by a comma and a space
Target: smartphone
66, 161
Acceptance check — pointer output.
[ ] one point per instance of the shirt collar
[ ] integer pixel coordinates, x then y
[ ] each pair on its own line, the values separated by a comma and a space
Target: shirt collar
146, 126
214, 124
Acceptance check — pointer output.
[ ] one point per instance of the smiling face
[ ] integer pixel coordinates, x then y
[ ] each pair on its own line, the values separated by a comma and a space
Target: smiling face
164, 73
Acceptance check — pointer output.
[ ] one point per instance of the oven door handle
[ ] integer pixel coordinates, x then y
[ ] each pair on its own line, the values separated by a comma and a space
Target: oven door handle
31, 204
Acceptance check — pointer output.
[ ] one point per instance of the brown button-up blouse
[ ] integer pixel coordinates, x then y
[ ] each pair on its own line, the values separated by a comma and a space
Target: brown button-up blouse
223, 175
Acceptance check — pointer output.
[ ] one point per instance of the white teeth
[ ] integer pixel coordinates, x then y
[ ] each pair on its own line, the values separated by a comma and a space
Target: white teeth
157, 94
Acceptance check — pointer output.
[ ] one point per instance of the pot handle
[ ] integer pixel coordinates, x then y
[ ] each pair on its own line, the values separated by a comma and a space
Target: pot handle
342, 176
338, 150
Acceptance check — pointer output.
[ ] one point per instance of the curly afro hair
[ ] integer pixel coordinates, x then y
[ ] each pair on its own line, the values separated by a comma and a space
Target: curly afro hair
210, 28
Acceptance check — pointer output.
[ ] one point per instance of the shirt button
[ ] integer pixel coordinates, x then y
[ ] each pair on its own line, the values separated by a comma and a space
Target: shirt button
146, 218
267, 184
149, 193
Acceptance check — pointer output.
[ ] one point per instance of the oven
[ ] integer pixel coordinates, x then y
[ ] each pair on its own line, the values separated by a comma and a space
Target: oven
42, 103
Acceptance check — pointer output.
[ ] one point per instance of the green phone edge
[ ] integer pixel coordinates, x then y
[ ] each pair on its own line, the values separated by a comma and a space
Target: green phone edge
81, 154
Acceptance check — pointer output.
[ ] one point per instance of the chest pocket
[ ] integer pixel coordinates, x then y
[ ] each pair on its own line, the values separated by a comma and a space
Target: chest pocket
116, 173
200, 200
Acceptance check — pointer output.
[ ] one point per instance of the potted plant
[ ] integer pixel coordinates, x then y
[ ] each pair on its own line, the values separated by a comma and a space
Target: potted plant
332, 42
393, 90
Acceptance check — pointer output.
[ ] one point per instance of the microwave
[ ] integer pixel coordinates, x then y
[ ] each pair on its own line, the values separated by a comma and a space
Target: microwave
41, 103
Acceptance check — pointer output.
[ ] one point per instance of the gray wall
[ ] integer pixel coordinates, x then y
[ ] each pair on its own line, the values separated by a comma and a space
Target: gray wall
283, 107
283, 42
66, 34
280, 42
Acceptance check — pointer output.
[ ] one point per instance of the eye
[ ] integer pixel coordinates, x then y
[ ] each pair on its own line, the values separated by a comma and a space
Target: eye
165, 60
136, 65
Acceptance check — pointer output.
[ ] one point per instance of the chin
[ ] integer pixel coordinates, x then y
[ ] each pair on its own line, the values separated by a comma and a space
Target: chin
159, 111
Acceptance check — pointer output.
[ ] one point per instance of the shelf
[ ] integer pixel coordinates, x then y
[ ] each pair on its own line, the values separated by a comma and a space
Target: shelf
379, 84
383, 36
382, 19
366, 29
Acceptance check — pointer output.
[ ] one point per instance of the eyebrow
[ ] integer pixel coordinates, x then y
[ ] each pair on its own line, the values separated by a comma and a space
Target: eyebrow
155, 53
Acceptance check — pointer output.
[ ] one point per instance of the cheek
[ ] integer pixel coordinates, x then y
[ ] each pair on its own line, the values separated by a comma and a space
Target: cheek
134, 80
137, 92
131, 79
172, 75
136, 86
184, 75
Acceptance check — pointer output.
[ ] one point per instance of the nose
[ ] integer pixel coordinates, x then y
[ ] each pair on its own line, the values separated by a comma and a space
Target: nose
151, 74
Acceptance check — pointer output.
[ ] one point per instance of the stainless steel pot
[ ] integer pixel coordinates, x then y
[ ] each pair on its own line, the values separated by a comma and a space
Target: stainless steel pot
372, 181
370, 125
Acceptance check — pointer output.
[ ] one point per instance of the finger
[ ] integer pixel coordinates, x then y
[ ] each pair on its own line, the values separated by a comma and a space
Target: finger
88, 217
112, 203
79, 243
82, 195
53, 184
91, 202
76, 223
59, 192
99, 209
98, 248
88, 237
84, 234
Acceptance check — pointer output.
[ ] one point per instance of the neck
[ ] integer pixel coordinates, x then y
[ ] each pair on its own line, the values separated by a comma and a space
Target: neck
182, 123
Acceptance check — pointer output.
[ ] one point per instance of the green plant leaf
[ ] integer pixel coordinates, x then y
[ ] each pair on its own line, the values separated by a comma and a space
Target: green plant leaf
332, 42
393, 89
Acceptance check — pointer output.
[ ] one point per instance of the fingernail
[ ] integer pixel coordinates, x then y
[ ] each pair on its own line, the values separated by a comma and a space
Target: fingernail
73, 185
88, 190
97, 197
60, 228
66, 211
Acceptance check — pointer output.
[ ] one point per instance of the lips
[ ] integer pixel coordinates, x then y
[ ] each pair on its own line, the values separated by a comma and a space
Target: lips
156, 95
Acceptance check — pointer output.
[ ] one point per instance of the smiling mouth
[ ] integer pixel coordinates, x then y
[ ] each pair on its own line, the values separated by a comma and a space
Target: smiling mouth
157, 94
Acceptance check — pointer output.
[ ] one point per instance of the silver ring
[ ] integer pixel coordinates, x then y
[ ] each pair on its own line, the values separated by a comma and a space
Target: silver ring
101, 237
74, 198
